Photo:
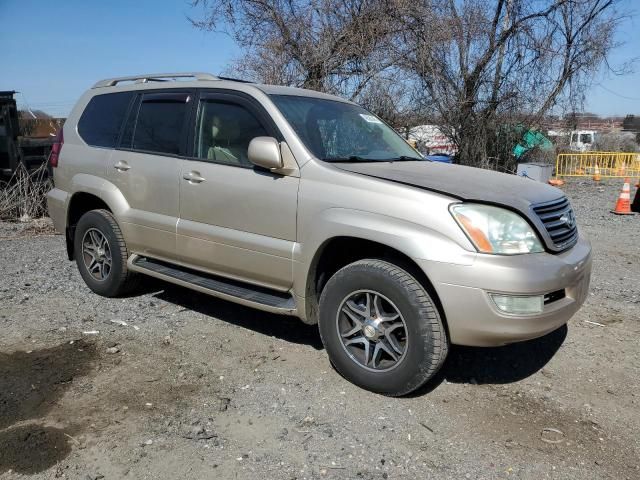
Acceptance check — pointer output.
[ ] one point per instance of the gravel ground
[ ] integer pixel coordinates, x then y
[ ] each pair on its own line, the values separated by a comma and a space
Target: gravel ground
180, 385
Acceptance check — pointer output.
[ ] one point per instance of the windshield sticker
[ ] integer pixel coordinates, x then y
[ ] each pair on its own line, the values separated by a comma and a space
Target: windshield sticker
370, 118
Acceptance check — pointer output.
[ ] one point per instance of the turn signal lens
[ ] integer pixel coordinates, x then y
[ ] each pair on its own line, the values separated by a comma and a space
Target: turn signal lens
479, 238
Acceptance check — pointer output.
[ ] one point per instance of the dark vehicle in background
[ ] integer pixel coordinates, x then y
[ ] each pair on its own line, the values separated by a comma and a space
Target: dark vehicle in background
15, 147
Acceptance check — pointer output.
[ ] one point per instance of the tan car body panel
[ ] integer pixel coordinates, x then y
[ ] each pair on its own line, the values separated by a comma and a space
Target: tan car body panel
230, 225
151, 188
269, 229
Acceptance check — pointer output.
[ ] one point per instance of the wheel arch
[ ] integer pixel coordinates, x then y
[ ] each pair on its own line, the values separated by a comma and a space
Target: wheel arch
91, 193
339, 251
80, 203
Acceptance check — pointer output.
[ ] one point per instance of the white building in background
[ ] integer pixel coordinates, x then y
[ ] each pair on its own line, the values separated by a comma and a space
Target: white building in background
431, 140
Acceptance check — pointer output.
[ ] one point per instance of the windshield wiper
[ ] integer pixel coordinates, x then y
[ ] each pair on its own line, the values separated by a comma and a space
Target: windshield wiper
352, 158
355, 158
404, 158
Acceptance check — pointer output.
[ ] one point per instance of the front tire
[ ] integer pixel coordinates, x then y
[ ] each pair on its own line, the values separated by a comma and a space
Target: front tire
101, 254
381, 328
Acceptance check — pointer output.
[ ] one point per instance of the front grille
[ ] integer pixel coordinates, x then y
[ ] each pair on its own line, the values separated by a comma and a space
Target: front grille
559, 221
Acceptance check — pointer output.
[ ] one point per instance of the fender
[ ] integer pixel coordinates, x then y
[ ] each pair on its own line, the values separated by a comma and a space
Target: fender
415, 241
101, 188
59, 202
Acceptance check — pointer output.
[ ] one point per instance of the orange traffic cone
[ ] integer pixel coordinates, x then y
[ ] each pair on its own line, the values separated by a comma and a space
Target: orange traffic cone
623, 205
596, 174
556, 182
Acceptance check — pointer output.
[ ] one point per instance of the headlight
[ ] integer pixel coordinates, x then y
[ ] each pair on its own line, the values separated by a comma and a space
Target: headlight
496, 230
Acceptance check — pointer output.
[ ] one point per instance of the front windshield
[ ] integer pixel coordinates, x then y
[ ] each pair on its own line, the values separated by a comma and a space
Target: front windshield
336, 131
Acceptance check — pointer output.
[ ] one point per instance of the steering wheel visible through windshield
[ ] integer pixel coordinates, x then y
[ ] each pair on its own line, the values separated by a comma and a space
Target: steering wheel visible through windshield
337, 131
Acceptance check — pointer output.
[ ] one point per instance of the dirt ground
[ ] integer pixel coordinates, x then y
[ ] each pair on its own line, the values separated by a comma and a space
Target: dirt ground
174, 384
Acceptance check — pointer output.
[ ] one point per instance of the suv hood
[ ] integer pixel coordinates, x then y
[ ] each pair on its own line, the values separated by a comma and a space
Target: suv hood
485, 186
463, 183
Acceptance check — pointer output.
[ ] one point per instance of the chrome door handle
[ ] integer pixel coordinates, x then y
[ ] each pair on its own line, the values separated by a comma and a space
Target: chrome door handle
193, 177
122, 166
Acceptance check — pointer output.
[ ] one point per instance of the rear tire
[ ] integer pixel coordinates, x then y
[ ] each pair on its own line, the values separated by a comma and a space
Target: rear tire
376, 302
101, 254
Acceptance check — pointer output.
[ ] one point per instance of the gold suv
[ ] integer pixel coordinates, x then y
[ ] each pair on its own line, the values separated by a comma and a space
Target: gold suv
296, 202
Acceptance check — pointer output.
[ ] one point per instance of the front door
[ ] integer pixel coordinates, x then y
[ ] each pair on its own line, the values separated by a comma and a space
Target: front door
146, 169
236, 220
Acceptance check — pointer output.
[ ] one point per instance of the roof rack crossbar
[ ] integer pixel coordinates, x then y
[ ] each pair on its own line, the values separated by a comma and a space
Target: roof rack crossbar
111, 82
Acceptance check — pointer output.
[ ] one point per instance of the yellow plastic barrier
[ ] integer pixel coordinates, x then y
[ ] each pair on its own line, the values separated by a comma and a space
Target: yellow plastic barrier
609, 164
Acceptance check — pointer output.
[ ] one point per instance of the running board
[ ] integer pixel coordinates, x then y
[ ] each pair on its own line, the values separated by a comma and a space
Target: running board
235, 291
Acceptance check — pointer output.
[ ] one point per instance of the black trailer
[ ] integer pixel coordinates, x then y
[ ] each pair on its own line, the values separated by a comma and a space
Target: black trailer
14, 148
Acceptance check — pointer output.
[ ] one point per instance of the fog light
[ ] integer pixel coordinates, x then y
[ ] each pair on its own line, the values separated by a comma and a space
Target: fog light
518, 305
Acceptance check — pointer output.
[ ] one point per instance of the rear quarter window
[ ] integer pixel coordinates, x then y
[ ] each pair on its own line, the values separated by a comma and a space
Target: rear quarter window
100, 123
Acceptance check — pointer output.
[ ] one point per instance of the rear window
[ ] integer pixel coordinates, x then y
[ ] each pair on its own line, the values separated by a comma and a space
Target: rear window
101, 120
160, 123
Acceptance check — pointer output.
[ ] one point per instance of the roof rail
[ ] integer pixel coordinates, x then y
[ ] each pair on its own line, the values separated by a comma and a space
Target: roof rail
151, 77
231, 79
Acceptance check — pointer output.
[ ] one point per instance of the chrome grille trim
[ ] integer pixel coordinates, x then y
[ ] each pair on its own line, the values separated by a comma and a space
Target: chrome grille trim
553, 215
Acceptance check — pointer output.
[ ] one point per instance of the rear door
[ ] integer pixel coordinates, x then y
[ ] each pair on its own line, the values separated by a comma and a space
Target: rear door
146, 169
236, 220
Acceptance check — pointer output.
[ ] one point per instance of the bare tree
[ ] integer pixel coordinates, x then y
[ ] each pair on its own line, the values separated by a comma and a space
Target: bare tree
485, 70
488, 65
328, 45
393, 97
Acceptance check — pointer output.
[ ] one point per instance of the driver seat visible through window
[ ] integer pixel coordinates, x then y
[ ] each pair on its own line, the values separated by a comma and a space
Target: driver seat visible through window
223, 147
224, 133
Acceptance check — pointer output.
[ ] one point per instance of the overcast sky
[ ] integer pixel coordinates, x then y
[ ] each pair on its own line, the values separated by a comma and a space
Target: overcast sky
54, 50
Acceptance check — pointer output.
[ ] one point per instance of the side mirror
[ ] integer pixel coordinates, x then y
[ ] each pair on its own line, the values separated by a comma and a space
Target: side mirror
265, 152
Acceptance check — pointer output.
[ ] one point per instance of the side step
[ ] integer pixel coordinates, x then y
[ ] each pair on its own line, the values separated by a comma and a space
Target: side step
235, 291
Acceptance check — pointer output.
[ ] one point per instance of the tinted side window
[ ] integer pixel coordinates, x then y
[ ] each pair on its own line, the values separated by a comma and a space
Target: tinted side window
102, 118
160, 123
223, 132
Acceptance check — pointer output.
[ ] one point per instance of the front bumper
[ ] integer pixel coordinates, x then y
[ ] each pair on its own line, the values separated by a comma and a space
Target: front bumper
472, 317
